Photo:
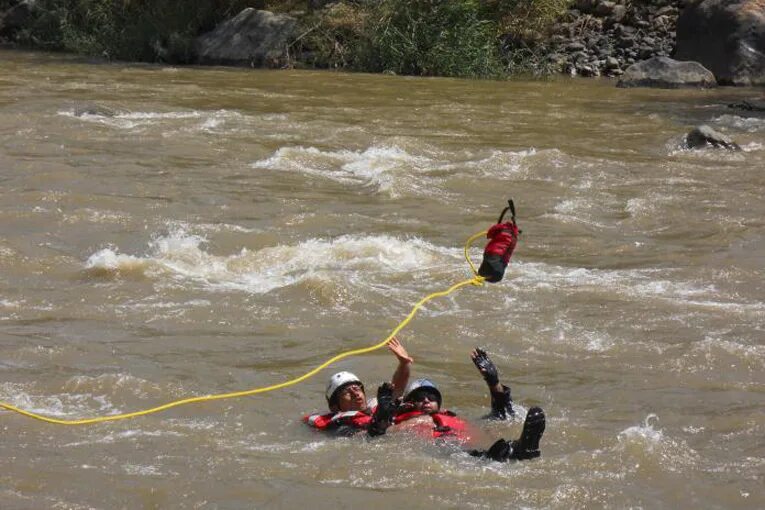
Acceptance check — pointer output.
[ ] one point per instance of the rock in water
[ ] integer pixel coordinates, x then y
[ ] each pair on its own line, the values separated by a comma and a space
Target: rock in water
666, 73
705, 136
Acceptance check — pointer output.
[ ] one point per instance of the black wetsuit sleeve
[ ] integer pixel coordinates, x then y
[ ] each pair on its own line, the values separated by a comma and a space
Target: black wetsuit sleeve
501, 404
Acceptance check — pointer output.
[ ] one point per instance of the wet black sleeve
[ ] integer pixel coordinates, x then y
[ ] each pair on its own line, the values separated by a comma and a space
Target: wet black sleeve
501, 404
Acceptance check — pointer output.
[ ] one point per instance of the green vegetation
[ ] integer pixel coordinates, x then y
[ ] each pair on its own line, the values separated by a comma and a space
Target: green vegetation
466, 38
139, 30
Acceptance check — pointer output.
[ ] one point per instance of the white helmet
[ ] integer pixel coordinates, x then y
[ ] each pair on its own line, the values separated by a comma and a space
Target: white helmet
418, 384
339, 380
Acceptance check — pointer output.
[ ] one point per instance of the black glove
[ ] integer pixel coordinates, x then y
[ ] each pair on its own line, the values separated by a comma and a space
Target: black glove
386, 407
486, 367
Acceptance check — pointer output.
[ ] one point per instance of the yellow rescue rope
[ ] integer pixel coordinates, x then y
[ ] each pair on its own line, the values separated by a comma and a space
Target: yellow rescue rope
475, 280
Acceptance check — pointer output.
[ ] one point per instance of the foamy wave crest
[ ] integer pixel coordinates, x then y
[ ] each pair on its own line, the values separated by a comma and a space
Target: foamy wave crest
212, 121
109, 262
640, 283
183, 257
644, 433
751, 124
648, 444
63, 406
502, 163
387, 169
111, 385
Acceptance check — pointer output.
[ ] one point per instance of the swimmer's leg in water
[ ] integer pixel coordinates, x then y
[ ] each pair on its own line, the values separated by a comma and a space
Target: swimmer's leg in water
525, 447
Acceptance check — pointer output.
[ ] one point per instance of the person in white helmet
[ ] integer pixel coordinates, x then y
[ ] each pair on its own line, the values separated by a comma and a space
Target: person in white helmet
421, 412
350, 411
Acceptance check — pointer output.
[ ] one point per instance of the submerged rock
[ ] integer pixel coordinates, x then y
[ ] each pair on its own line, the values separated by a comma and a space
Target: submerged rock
727, 37
252, 38
93, 109
705, 136
749, 105
666, 73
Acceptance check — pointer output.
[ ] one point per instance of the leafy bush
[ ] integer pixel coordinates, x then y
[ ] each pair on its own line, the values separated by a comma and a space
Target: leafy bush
144, 30
526, 20
331, 38
431, 38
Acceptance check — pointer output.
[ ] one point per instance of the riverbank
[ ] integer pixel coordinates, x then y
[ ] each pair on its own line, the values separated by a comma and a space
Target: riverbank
456, 38
451, 38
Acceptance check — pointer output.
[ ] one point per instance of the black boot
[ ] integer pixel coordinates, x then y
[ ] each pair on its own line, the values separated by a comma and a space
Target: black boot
527, 446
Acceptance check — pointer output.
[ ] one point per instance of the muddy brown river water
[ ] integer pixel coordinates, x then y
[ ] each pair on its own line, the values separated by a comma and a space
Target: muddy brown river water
170, 232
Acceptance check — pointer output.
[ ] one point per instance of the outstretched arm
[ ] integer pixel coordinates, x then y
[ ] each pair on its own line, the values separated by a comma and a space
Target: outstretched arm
401, 376
501, 401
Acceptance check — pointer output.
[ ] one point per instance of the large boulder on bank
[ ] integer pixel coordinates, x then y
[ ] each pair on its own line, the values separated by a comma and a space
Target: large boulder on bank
16, 17
666, 73
252, 38
727, 37
705, 136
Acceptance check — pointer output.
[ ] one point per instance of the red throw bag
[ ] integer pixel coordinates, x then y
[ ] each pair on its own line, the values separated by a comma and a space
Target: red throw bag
502, 240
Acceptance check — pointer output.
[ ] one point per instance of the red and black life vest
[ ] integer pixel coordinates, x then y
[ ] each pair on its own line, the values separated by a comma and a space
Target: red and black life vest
445, 424
354, 419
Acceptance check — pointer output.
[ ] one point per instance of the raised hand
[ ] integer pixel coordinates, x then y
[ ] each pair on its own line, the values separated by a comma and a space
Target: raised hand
485, 366
399, 351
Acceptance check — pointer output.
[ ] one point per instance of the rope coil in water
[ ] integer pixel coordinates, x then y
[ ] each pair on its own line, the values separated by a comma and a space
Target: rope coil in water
475, 280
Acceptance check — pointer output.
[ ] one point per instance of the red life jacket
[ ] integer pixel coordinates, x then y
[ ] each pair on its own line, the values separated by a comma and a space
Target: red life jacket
496, 256
446, 424
354, 419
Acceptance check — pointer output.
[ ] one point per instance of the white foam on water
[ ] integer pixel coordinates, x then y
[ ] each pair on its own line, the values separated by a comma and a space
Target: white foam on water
632, 283
133, 435
714, 354
212, 121
575, 211
5, 303
60, 406
142, 470
395, 171
387, 169
346, 258
645, 433
647, 443
751, 124
111, 385
500, 163
109, 260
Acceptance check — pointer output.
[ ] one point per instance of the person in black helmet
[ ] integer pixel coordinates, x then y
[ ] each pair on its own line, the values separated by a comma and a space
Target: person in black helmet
350, 411
421, 410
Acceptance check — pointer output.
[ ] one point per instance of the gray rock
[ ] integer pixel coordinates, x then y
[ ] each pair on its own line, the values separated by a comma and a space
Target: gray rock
605, 8
705, 136
587, 71
252, 38
618, 14
666, 10
752, 105
16, 17
612, 63
727, 37
664, 72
